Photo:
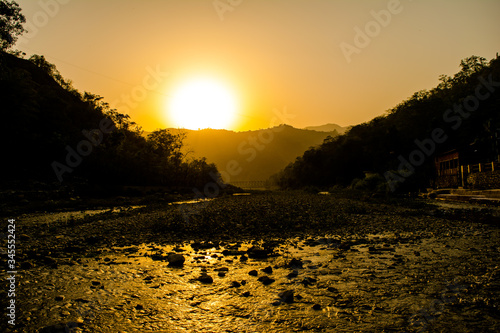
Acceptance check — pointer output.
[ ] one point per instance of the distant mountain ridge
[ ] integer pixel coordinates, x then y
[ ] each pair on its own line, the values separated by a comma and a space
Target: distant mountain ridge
251, 155
328, 128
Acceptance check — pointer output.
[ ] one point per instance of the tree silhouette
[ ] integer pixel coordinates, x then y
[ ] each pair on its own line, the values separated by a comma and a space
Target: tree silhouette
11, 23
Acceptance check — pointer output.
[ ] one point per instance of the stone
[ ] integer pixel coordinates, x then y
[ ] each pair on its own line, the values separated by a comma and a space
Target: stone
175, 260
295, 263
253, 272
268, 270
308, 281
222, 269
293, 274
286, 296
316, 307
257, 252
59, 298
205, 278
266, 280
235, 284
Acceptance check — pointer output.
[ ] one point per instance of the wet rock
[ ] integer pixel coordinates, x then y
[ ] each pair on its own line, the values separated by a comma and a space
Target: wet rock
293, 274
268, 270
243, 282
316, 307
221, 274
49, 261
61, 328
96, 283
139, 307
74, 249
92, 240
246, 294
175, 260
232, 252
59, 298
307, 281
345, 246
286, 296
295, 263
221, 269
332, 289
24, 237
235, 284
266, 280
243, 258
257, 252
205, 278
253, 272
26, 265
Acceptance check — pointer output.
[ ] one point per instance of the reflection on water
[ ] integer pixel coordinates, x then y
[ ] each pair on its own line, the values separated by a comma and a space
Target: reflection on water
194, 201
55, 217
371, 283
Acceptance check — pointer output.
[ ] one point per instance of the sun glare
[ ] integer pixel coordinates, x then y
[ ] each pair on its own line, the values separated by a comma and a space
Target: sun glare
202, 103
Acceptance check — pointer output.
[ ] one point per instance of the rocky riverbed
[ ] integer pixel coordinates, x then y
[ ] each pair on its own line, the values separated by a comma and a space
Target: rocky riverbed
270, 262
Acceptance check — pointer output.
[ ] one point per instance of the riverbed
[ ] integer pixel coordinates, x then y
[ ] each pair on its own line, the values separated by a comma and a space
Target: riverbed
323, 264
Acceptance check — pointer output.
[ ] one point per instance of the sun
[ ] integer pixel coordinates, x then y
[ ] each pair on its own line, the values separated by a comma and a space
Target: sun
202, 103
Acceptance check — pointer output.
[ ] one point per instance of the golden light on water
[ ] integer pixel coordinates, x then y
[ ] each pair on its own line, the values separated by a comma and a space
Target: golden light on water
202, 103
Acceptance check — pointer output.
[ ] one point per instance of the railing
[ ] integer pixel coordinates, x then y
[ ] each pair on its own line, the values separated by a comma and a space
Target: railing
481, 167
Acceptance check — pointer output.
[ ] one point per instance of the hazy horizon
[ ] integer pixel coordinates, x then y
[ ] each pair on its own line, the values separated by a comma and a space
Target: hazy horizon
313, 59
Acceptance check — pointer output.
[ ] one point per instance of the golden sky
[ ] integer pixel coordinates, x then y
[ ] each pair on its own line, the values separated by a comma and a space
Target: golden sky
302, 62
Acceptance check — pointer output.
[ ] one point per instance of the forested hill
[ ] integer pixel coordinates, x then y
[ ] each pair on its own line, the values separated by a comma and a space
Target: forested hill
397, 149
259, 153
53, 134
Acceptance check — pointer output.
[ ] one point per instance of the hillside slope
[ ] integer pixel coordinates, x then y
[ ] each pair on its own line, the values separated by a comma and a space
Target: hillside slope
55, 136
460, 113
258, 154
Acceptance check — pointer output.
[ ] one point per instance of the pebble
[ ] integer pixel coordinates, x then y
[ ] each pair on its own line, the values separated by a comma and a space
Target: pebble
253, 272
